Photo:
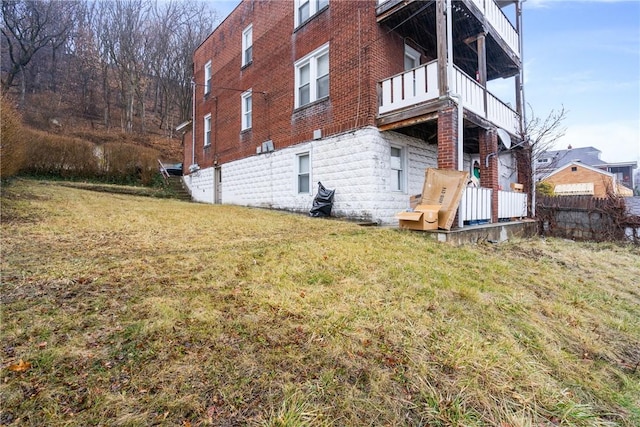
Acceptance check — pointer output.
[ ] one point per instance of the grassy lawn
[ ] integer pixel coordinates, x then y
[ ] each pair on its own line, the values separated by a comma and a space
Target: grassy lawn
134, 311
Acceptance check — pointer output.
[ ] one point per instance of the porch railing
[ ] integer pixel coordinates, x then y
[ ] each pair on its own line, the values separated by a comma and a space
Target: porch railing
502, 115
163, 171
475, 206
500, 22
512, 204
421, 84
409, 88
473, 99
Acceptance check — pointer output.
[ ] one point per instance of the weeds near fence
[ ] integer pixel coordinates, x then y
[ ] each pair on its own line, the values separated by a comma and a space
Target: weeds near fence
596, 219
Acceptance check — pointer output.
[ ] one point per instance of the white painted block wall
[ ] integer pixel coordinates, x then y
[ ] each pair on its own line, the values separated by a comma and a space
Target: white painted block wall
200, 185
356, 164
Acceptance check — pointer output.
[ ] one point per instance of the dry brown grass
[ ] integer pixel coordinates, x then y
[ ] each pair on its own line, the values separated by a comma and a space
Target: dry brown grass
137, 311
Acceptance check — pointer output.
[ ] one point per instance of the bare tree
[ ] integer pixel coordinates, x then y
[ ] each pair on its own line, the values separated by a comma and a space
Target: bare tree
180, 26
29, 26
539, 135
122, 36
117, 57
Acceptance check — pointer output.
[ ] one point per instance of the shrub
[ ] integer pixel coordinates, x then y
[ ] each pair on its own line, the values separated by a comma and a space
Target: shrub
12, 146
129, 163
58, 155
544, 188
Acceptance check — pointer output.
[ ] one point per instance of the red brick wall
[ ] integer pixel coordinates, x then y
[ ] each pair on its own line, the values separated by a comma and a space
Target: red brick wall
448, 138
360, 54
488, 141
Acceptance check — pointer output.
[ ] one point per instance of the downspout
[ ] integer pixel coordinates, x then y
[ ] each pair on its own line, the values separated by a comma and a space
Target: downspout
193, 122
523, 117
458, 101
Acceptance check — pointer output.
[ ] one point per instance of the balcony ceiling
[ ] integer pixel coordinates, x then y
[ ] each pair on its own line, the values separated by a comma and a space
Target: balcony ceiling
416, 20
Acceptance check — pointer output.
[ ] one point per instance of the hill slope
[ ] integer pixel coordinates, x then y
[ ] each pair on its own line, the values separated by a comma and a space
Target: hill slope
137, 311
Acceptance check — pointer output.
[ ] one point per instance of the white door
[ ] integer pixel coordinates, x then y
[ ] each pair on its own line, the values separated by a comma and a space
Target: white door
217, 191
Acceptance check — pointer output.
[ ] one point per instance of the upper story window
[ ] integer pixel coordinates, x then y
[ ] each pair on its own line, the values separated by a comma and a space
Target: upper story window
246, 109
207, 130
312, 77
247, 45
207, 78
411, 58
305, 9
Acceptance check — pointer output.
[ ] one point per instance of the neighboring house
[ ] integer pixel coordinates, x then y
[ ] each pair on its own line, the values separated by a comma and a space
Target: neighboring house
362, 96
579, 179
550, 161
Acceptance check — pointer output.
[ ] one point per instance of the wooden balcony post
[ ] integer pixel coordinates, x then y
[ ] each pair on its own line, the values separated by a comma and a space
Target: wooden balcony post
441, 41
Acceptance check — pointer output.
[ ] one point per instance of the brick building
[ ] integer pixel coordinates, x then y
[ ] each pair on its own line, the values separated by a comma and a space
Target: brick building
552, 160
577, 178
361, 95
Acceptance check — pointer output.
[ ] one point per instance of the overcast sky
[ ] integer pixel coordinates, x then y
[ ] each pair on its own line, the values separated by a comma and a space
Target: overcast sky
583, 55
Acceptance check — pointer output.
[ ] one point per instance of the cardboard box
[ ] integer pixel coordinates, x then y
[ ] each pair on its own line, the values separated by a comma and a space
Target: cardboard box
444, 187
423, 217
414, 201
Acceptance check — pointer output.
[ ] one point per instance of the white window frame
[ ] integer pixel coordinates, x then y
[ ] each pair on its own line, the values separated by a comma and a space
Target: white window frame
413, 54
397, 169
246, 109
207, 131
300, 173
314, 7
247, 45
207, 78
311, 60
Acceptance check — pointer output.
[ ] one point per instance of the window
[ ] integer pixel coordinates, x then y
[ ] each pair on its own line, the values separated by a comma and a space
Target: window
411, 58
246, 109
574, 169
304, 186
312, 77
247, 45
543, 160
397, 173
207, 130
207, 78
305, 9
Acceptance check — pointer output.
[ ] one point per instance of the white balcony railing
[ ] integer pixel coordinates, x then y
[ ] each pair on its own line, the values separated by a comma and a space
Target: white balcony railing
475, 206
421, 84
500, 22
409, 88
471, 92
512, 204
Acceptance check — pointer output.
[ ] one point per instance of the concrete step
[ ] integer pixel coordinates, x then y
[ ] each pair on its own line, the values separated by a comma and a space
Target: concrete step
176, 187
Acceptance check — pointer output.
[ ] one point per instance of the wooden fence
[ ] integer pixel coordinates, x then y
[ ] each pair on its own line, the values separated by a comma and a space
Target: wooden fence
587, 218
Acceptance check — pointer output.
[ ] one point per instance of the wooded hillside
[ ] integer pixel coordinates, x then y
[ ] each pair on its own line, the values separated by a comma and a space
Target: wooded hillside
101, 70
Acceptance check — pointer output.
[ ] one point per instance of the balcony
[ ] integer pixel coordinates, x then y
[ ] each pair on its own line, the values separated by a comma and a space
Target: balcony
498, 22
419, 86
